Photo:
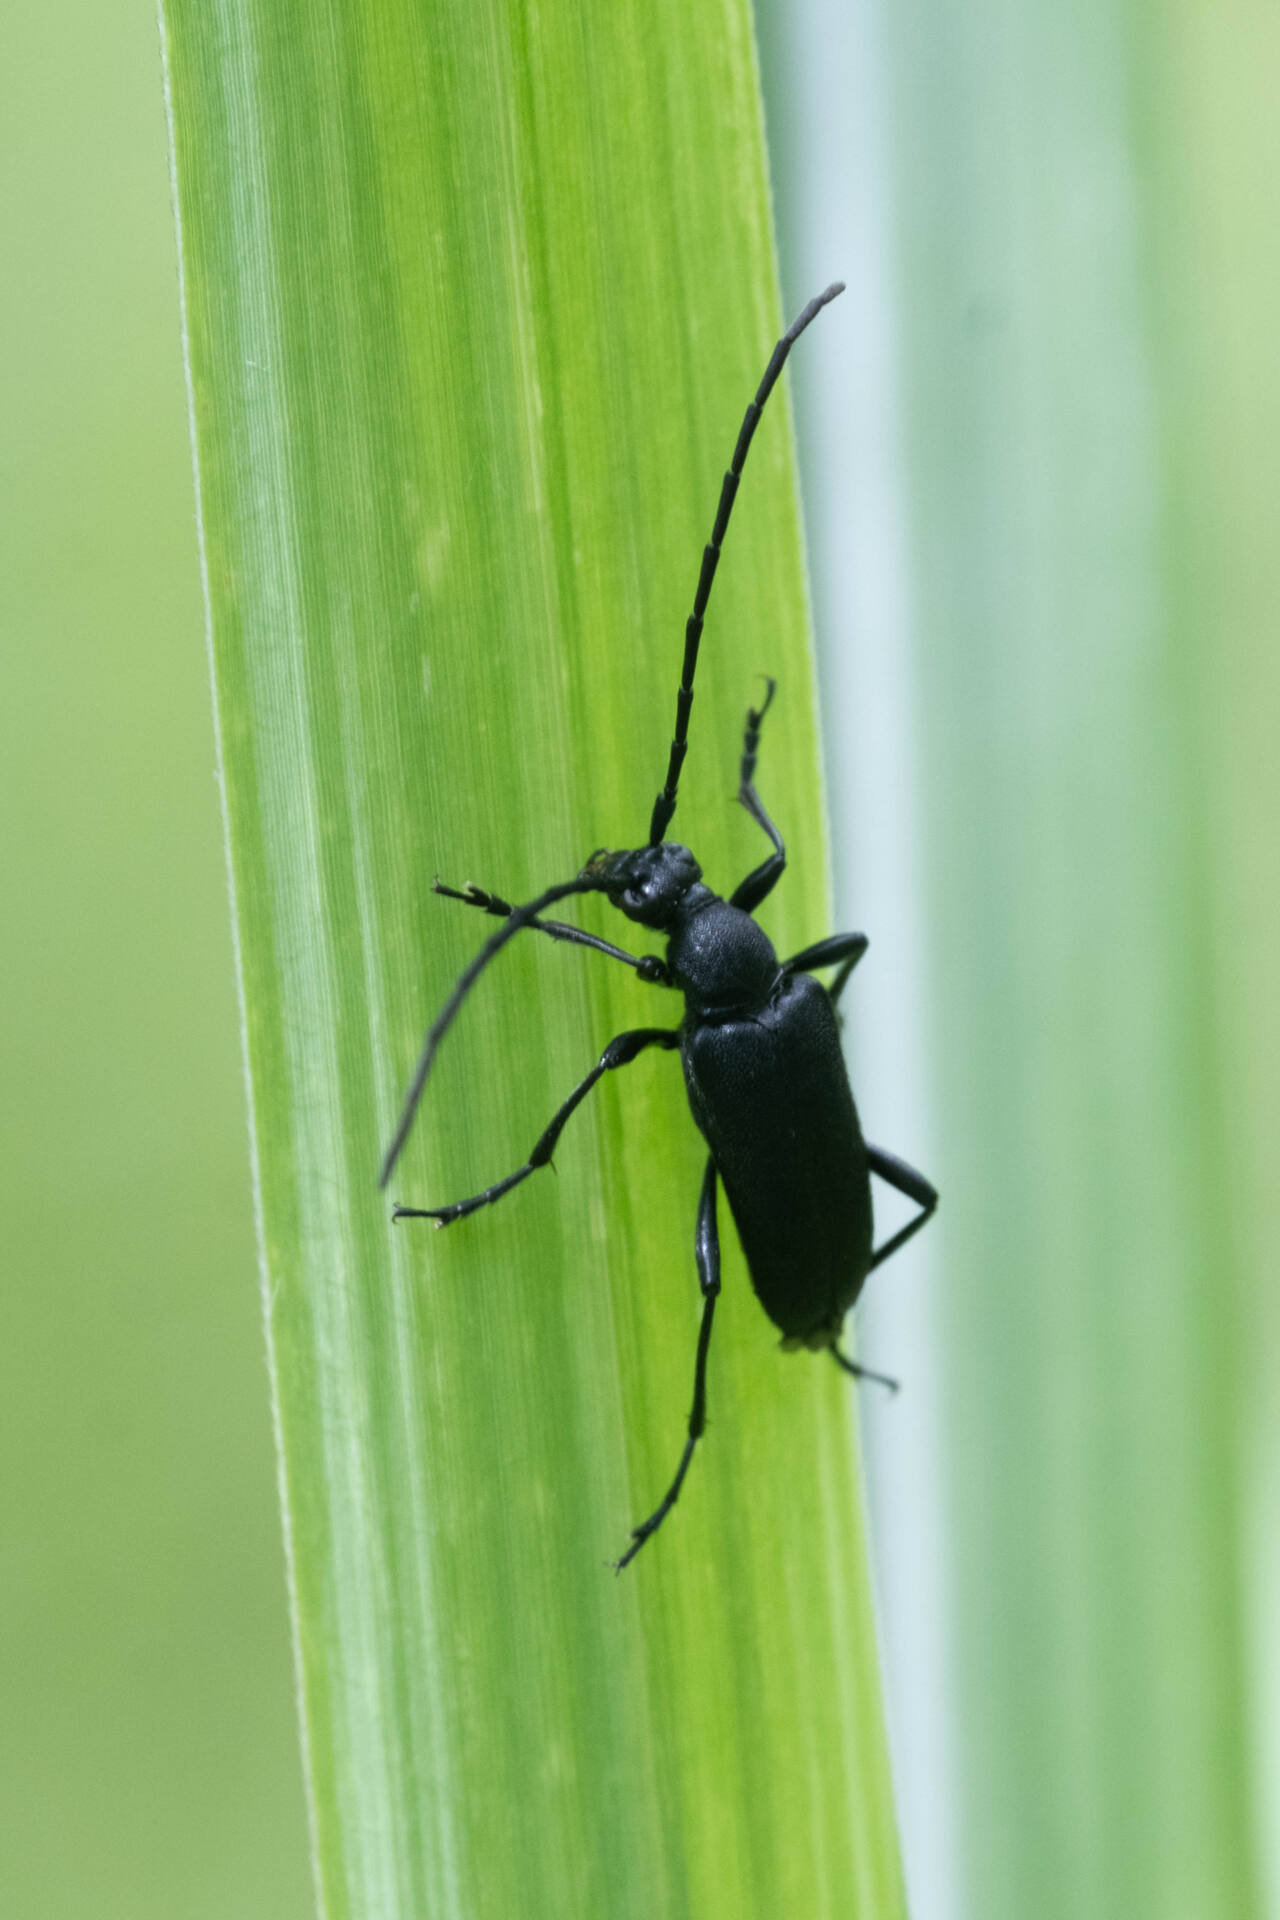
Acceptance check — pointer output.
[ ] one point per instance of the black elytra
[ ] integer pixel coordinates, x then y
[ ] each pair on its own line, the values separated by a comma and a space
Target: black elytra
759, 1043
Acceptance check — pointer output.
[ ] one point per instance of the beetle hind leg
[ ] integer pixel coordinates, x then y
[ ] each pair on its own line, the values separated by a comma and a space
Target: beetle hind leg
846, 1365
906, 1181
707, 1253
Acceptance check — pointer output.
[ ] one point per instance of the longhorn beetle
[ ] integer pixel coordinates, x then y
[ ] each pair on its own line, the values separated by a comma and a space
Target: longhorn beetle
759, 1043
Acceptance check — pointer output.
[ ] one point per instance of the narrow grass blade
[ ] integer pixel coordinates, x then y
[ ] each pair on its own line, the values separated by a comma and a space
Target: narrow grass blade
475, 297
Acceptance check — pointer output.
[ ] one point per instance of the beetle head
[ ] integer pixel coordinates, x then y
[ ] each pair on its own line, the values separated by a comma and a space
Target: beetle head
649, 884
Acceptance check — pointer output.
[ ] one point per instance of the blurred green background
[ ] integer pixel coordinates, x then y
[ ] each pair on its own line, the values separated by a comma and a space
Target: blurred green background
1042, 496
1064, 398
148, 1757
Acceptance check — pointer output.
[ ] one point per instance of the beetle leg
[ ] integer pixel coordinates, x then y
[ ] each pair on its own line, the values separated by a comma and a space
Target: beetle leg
903, 1179
762, 879
649, 967
512, 924
906, 1180
618, 1053
848, 947
846, 1365
707, 1253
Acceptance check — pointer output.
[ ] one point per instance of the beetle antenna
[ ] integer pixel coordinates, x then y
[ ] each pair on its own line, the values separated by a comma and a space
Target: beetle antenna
665, 804
518, 918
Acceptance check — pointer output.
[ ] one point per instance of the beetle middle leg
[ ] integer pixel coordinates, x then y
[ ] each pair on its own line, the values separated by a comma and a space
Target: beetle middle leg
848, 947
619, 1053
707, 1254
764, 878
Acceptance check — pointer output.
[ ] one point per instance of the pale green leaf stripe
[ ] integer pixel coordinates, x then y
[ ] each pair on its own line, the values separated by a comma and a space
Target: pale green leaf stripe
475, 296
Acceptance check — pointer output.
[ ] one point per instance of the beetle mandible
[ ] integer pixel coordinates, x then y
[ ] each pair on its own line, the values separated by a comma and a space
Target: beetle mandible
759, 1043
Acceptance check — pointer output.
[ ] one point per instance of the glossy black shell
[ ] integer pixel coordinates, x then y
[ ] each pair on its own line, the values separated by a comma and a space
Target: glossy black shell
770, 1092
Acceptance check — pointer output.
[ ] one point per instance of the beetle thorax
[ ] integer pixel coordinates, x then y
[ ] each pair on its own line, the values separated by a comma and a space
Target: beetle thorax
719, 958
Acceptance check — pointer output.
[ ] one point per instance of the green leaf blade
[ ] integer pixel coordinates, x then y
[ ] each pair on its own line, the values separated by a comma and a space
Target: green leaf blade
474, 306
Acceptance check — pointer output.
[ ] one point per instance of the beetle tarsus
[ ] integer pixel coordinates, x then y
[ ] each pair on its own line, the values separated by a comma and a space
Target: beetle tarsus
647, 1528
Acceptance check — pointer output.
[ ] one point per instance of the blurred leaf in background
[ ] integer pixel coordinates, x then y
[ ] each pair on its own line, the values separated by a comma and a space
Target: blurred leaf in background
1058, 565
148, 1756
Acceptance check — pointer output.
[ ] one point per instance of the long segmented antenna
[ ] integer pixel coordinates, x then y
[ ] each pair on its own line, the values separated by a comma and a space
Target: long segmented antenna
519, 917
665, 804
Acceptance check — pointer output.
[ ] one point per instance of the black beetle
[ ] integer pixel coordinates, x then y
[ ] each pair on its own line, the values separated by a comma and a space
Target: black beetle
759, 1042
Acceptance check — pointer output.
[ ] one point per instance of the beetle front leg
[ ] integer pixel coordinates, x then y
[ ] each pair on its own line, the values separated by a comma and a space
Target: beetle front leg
764, 878
618, 1053
648, 967
707, 1254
